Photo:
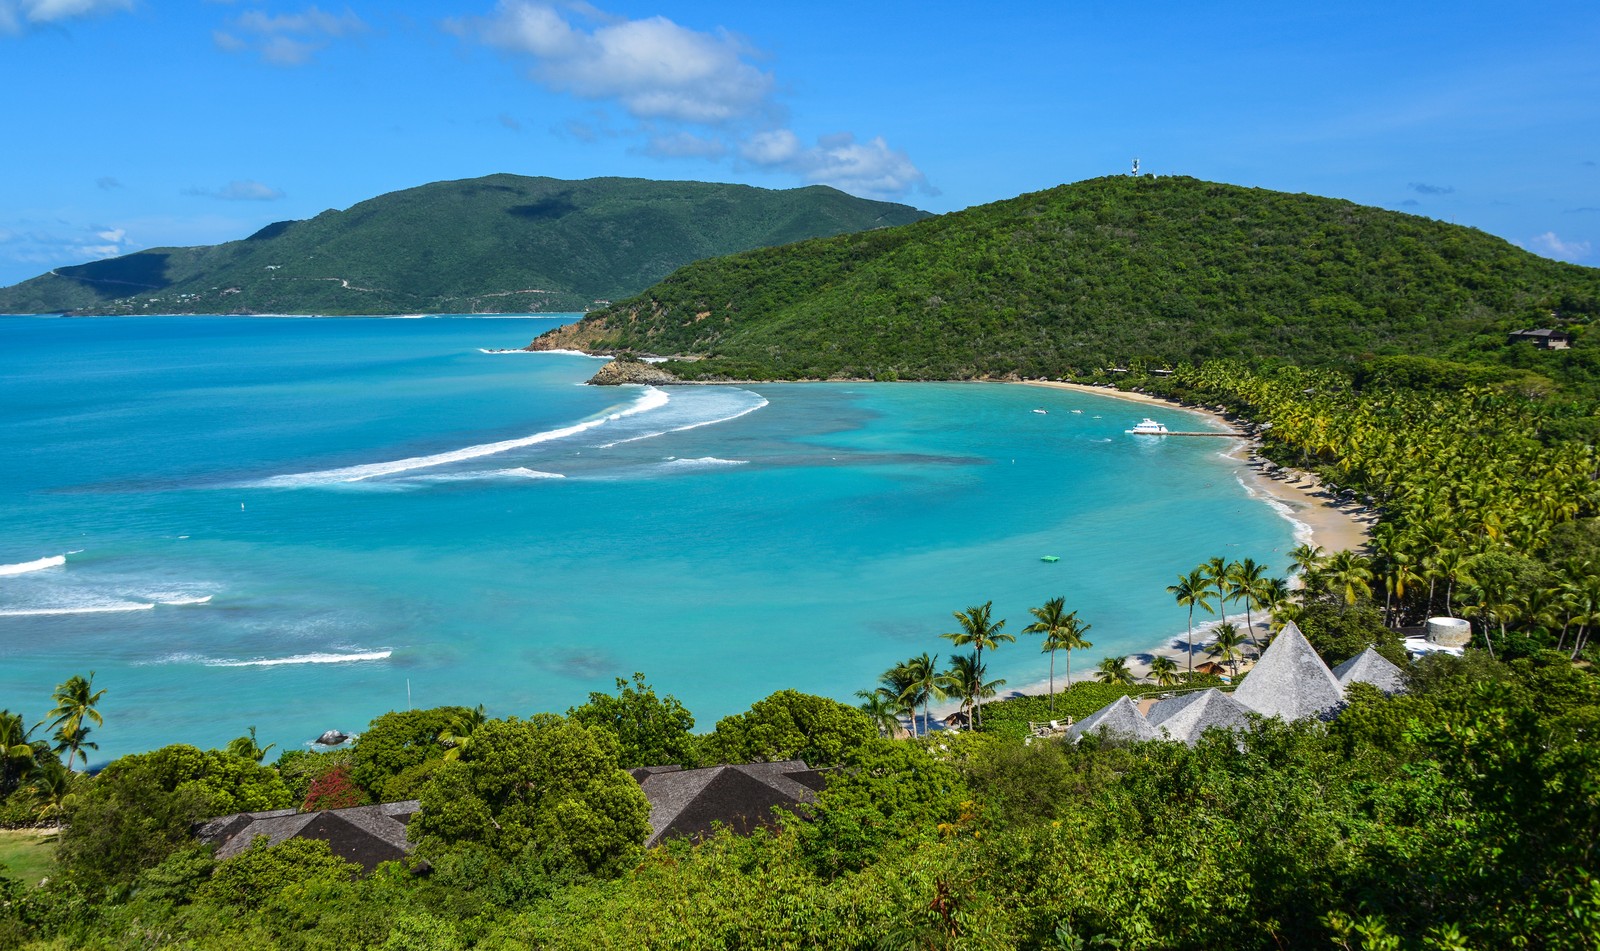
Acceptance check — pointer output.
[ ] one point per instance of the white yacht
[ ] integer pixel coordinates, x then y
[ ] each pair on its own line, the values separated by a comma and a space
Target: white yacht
1149, 427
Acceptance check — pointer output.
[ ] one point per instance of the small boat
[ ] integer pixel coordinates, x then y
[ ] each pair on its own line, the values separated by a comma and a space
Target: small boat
1077, 412
1041, 412
1052, 559
1148, 427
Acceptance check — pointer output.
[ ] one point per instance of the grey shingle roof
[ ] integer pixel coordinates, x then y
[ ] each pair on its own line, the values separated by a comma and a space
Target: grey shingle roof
1187, 716
1370, 667
689, 802
366, 835
1290, 680
1120, 717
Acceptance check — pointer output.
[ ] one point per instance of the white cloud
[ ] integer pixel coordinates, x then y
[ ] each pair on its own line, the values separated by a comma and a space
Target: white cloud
34, 248
861, 168
287, 39
1552, 246
246, 190
690, 93
655, 68
17, 15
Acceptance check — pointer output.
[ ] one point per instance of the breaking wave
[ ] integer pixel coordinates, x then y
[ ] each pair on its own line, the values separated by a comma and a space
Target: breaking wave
38, 564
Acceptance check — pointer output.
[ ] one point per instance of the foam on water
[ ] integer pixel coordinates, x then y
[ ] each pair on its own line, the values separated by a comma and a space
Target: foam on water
651, 399
758, 404
113, 608
38, 564
178, 600
705, 462
314, 658
516, 472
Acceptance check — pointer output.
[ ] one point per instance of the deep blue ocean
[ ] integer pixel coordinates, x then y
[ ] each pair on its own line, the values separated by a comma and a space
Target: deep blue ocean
299, 524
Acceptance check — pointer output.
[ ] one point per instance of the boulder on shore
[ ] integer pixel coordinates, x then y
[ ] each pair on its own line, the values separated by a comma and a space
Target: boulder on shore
621, 371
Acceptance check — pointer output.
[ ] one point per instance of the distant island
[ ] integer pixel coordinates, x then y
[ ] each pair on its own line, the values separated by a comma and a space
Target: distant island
497, 244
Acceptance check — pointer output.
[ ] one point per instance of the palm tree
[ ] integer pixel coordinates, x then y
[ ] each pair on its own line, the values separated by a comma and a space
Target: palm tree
75, 702
17, 754
965, 680
979, 630
456, 737
1192, 590
1062, 631
882, 708
246, 747
1226, 645
923, 685
1164, 670
1220, 574
1249, 584
1114, 670
1350, 573
51, 785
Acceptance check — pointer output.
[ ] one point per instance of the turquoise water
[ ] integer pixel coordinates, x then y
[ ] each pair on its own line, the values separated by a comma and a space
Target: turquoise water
299, 524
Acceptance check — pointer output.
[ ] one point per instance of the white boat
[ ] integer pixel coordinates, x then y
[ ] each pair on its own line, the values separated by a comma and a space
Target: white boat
1148, 427
1041, 412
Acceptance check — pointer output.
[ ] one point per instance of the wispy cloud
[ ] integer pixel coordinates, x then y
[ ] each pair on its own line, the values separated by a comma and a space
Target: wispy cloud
689, 93
52, 246
288, 39
1551, 245
242, 190
1423, 188
19, 15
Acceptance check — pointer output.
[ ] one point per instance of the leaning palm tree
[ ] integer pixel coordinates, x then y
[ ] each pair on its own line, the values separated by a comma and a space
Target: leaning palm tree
979, 630
1062, 631
1114, 670
1164, 670
75, 702
1249, 583
1349, 574
1192, 590
1225, 646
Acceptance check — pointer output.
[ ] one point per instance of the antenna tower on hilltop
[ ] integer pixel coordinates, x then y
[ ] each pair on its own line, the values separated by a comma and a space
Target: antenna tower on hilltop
1135, 172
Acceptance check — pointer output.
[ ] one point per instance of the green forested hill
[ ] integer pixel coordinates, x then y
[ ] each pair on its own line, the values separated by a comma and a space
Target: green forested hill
500, 243
1102, 272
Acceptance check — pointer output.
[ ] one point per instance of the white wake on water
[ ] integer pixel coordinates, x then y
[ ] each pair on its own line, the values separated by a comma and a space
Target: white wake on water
761, 401
651, 399
38, 564
704, 462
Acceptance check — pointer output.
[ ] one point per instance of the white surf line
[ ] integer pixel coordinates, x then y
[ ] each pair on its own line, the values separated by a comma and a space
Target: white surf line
652, 398
91, 609
318, 658
38, 564
679, 429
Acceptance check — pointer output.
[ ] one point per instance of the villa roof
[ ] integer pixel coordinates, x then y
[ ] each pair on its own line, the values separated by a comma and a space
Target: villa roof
365, 835
1120, 718
1187, 716
1290, 680
689, 802
1370, 667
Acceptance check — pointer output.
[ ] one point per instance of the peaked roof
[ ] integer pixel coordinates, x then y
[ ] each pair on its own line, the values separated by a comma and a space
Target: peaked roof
688, 802
1290, 680
365, 835
1187, 716
1371, 667
1120, 717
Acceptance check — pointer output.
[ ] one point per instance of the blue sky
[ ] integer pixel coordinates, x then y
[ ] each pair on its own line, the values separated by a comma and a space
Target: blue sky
131, 124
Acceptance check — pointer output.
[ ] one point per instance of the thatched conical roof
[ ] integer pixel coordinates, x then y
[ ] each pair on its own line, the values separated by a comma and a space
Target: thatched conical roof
1370, 667
1119, 718
1290, 680
1187, 716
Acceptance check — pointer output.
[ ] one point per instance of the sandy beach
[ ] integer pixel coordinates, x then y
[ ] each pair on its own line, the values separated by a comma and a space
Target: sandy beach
1319, 518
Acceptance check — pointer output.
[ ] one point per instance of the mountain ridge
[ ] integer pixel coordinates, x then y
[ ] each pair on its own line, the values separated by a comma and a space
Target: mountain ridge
1095, 274
502, 242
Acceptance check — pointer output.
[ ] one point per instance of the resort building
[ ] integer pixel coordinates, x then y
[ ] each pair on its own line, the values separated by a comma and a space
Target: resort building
365, 835
692, 802
1289, 681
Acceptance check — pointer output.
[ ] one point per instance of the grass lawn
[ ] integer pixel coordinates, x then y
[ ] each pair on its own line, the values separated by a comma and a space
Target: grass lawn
27, 854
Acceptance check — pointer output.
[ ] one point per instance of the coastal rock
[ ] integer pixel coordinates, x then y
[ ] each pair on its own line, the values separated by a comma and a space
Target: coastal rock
332, 738
620, 371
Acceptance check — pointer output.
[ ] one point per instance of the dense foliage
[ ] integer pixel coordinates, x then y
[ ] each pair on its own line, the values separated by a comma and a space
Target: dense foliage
1101, 273
1463, 814
502, 243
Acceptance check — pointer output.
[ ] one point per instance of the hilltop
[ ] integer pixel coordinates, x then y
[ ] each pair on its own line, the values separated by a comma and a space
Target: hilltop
502, 243
1099, 273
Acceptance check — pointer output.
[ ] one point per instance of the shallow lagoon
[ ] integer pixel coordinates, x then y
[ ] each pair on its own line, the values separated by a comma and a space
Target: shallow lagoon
302, 523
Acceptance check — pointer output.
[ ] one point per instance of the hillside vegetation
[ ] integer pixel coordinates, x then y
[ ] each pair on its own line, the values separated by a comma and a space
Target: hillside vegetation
1099, 273
503, 243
